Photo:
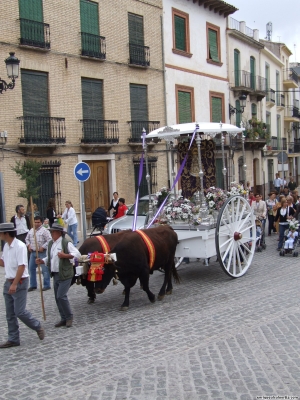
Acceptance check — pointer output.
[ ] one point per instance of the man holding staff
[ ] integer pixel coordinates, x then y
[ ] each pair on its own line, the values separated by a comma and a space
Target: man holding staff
14, 260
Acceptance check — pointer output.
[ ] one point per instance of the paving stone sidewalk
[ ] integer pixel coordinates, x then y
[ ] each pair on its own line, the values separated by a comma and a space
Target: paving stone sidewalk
213, 338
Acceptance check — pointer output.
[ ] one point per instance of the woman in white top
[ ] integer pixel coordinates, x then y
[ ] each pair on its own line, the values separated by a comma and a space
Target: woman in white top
69, 216
114, 204
271, 202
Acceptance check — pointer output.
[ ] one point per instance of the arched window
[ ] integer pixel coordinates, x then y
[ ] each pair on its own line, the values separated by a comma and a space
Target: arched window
254, 110
237, 73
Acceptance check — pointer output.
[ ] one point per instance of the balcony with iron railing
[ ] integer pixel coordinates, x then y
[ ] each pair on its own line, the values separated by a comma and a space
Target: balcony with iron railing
280, 100
95, 131
42, 131
277, 144
249, 83
93, 46
291, 114
290, 78
296, 103
270, 98
136, 130
139, 55
294, 147
34, 34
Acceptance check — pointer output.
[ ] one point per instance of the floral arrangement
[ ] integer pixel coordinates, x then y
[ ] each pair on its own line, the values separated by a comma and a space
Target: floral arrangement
180, 209
237, 188
293, 224
215, 198
160, 196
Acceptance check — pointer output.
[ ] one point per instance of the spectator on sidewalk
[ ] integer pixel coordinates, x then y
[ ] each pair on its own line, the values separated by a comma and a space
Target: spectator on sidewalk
122, 208
292, 184
21, 222
277, 183
43, 237
14, 260
69, 216
51, 211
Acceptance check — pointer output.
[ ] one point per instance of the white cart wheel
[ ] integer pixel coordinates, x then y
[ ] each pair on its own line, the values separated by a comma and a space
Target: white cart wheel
235, 236
178, 261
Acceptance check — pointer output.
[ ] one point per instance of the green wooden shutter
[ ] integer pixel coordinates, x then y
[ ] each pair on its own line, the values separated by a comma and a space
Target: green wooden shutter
254, 110
139, 109
252, 72
213, 45
31, 24
237, 114
216, 106
184, 107
89, 17
92, 109
236, 68
35, 104
136, 29
180, 36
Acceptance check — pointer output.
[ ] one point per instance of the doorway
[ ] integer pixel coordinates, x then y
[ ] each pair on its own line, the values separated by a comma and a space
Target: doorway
96, 189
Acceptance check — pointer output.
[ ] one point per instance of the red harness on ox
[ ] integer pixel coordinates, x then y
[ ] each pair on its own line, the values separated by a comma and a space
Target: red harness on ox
96, 269
104, 244
150, 246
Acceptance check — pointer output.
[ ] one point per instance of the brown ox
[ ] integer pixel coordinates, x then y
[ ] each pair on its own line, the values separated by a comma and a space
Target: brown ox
133, 261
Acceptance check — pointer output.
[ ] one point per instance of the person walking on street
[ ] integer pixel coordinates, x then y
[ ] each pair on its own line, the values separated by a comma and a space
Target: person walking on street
284, 214
43, 237
69, 216
271, 202
292, 184
14, 260
59, 261
21, 223
277, 183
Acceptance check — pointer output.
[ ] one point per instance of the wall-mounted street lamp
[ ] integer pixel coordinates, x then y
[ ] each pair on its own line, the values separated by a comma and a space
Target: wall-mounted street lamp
233, 110
12, 67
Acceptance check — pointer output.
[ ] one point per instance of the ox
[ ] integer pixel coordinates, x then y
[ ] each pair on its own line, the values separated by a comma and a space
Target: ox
133, 261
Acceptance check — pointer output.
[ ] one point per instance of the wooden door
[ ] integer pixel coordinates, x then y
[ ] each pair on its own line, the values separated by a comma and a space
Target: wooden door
96, 189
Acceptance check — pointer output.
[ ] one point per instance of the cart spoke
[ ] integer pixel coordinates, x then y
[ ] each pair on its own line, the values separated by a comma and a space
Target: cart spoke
227, 250
227, 241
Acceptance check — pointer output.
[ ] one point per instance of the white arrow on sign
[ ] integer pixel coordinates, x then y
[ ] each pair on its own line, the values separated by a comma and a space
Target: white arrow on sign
82, 171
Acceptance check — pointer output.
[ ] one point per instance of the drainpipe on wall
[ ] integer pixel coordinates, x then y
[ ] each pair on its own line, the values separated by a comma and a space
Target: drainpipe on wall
165, 97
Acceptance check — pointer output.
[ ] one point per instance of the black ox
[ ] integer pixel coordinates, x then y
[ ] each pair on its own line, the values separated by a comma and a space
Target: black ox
133, 261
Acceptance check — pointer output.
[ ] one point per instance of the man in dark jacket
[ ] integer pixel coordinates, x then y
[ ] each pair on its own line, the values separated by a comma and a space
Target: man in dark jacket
21, 223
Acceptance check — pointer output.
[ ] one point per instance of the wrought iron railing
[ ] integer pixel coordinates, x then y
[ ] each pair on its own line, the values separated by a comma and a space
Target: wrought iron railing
294, 147
296, 103
139, 55
99, 131
278, 143
261, 84
290, 74
93, 46
271, 96
33, 33
136, 129
280, 100
291, 111
242, 79
42, 130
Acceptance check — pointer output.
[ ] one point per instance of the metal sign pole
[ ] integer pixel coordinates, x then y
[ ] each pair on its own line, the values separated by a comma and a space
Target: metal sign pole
83, 211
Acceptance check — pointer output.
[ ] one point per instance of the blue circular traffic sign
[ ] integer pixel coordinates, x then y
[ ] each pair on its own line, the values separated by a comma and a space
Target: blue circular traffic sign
82, 171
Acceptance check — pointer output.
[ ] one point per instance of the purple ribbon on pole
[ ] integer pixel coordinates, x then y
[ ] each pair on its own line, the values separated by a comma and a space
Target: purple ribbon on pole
176, 179
137, 194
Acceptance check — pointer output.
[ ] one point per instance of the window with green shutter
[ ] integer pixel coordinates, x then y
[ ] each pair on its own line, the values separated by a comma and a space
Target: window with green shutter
252, 73
180, 37
136, 39
181, 40
216, 109
92, 109
238, 114
35, 104
267, 75
213, 45
236, 67
89, 23
31, 22
139, 109
254, 110
184, 103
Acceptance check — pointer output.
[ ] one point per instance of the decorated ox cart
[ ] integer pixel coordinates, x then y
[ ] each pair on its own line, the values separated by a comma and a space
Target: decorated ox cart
230, 232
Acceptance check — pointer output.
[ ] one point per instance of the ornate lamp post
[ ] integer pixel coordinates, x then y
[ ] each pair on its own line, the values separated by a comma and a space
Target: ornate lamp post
233, 110
12, 67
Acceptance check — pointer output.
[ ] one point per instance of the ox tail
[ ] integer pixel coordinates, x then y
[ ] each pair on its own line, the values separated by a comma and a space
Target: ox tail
175, 274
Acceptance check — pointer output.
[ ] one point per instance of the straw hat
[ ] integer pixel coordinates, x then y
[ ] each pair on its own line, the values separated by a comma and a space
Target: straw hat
7, 227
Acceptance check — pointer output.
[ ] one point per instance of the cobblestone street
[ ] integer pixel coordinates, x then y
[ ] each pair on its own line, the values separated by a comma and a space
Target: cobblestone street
213, 338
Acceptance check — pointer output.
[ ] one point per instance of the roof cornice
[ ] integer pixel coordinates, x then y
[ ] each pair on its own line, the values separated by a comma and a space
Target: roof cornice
217, 6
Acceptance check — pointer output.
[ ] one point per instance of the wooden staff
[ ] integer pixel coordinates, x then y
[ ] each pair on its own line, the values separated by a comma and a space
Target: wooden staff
37, 255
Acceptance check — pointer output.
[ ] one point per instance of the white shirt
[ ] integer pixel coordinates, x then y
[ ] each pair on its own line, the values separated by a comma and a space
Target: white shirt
43, 237
69, 216
55, 249
21, 225
13, 256
277, 182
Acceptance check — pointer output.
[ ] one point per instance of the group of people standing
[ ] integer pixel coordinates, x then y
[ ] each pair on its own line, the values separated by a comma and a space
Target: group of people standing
281, 207
117, 206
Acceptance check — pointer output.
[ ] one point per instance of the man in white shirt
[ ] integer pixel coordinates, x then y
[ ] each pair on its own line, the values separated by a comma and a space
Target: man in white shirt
69, 216
21, 222
59, 260
277, 183
259, 208
43, 237
14, 260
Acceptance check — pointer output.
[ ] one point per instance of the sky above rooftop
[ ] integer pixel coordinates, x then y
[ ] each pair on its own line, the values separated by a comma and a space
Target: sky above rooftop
284, 16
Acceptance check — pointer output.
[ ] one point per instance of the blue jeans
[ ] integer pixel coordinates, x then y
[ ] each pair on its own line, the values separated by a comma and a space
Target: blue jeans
282, 229
61, 297
32, 270
72, 232
15, 305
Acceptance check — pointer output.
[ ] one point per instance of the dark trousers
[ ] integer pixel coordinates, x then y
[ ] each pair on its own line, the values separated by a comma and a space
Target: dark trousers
22, 237
271, 223
61, 289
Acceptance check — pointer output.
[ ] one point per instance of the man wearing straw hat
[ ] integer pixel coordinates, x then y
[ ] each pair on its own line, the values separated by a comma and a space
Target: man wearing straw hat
59, 260
14, 260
